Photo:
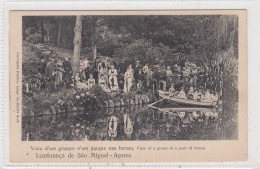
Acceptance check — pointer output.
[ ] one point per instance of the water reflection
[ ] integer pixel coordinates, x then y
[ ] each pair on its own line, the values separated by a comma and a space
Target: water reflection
132, 123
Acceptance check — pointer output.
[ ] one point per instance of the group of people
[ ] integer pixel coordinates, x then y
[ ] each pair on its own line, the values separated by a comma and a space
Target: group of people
186, 81
194, 94
105, 76
56, 71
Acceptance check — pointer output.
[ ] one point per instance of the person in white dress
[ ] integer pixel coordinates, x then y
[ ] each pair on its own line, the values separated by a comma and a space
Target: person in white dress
195, 95
91, 81
182, 94
103, 84
128, 80
131, 68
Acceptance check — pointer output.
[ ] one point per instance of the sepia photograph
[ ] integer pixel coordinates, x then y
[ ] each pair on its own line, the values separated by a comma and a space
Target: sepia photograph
129, 77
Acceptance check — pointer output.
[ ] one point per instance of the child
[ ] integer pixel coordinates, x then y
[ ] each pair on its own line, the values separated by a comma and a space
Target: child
102, 83
182, 94
172, 90
139, 85
91, 81
214, 98
190, 93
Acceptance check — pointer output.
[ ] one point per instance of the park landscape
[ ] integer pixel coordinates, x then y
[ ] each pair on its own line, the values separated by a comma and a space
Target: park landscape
130, 61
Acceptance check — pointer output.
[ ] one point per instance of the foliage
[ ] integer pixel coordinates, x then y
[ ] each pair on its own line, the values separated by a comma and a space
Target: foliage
149, 39
142, 37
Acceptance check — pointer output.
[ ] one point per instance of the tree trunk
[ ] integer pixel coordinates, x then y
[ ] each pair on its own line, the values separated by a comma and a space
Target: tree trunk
94, 50
24, 27
42, 29
77, 44
48, 31
59, 31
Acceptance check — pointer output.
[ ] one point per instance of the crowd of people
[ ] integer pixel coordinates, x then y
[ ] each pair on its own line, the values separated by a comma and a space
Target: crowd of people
54, 72
189, 80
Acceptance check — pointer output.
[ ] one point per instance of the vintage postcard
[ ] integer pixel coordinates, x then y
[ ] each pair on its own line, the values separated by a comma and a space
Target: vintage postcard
128, 86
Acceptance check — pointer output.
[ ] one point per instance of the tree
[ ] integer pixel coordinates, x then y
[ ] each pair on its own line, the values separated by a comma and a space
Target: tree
77, 44
59, 20
42, 28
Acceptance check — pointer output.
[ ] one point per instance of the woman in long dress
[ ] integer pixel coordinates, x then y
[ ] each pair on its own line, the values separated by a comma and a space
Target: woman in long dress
59, 70
113, 79
128, 80
103, 84
91, 81
182, 94
131, 68
102, 71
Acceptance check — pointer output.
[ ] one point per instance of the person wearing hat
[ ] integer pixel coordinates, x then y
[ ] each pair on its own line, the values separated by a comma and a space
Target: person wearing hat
50, 70
42, 66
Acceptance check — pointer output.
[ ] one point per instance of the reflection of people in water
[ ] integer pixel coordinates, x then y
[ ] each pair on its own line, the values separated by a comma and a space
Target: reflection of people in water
128, 126
112, 127
195, 115
102, 131
168, 125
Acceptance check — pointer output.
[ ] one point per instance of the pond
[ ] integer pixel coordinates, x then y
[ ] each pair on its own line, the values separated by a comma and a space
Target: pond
136, 123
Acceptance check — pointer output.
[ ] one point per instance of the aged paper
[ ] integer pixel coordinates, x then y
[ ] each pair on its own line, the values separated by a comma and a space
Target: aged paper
128, 86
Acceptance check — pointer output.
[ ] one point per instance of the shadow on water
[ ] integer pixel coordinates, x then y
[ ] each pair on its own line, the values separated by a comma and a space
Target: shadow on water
136, 123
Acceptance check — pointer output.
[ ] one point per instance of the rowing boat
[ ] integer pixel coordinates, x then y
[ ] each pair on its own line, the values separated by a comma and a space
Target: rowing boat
175, 99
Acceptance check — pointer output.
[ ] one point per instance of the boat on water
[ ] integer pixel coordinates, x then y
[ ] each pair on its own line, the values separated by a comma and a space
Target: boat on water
165, 95
190, 109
